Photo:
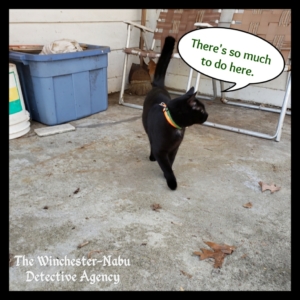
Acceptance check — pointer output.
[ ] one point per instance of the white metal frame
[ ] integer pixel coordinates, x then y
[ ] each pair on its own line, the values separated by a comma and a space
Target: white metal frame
282, 112
144, 29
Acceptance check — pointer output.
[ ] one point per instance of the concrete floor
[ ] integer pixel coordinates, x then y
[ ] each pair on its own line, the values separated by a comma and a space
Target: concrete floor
106, 158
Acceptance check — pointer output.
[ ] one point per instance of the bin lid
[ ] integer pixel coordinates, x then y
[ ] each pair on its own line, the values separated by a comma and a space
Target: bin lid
26, 52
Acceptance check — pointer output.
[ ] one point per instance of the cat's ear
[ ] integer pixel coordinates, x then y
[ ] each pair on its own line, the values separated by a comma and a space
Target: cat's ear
193, 102
190, 91
192, 96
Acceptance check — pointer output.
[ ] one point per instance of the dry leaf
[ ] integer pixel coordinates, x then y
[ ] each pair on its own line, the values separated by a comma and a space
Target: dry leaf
218, 256
205, 254
248, 205
219, 253
76, 191
224, 248
180, 224
272, 187
151, 67
81, 245
156, 207
186, 274
91, 252
11, 260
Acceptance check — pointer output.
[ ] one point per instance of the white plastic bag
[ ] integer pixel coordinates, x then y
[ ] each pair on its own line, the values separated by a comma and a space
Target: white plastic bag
61, 46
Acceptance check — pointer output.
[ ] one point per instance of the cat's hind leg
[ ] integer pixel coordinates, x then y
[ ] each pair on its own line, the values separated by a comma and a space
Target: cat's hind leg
172, 156
151, 157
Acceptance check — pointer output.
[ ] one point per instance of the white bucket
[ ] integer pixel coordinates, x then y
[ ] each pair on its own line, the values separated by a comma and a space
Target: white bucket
18, 116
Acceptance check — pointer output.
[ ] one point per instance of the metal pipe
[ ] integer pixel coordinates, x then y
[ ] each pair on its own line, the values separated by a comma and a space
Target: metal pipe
189, 79
145, 39
223, 93
121, 100
175, 92
152, 45
132, 105
284, 107
198, 97
239, 130
209, 98
269, 109
181, 93
214, 88
197, 81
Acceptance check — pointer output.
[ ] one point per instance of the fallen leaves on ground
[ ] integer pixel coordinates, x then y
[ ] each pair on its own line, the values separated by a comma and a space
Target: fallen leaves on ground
82, 244
11, 259
91, 252
179, 224
76, 191
156, 207
186, 274
219, 253
248, 205
272, 187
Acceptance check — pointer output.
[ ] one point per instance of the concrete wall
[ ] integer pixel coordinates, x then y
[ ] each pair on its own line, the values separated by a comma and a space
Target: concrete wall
92, 26
105, 27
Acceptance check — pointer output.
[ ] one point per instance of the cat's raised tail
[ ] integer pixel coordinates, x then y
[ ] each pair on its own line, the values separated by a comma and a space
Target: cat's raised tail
163, 62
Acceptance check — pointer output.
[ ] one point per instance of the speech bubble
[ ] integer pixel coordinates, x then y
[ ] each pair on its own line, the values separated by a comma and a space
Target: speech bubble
231, 55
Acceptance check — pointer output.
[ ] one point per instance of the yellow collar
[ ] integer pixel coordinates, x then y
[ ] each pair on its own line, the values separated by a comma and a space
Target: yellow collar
168, 115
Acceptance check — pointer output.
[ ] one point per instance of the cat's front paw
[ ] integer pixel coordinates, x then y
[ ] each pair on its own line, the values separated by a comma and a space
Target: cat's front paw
172, 183
152, 158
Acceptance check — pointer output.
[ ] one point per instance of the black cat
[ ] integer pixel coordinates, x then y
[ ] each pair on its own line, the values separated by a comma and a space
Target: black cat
165, 120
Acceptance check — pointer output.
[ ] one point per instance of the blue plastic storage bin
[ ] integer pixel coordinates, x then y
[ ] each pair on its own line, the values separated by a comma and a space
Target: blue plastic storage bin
59, 88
